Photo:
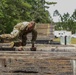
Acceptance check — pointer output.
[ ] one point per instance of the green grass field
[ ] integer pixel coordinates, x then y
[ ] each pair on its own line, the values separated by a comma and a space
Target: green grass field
73, 40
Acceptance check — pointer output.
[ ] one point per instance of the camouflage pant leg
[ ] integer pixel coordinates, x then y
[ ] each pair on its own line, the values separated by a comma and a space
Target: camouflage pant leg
24, 36
34, 35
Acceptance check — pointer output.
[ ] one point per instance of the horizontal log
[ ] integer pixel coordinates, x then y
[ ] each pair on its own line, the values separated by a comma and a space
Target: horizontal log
19, 74
39, 66
7, 49
39, 55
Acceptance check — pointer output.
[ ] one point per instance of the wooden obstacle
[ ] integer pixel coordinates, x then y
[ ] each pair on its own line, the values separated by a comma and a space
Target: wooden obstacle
46, 60
49, 60
45, 31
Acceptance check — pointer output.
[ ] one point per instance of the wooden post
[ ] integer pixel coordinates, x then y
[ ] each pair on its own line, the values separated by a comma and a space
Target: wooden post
74, 67
48, 29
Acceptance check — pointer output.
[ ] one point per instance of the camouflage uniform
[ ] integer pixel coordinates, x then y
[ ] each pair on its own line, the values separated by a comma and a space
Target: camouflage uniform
21, 30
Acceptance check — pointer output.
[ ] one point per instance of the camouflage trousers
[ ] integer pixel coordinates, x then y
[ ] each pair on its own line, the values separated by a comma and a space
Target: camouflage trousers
24, 36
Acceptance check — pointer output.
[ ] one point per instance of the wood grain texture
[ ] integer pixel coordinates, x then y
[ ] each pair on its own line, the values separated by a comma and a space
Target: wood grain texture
47, 60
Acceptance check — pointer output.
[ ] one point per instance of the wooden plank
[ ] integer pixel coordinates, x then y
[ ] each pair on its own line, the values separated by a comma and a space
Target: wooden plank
39, 55
45, 30
7, 49
44, 67
19, 74
38, 62
43, 26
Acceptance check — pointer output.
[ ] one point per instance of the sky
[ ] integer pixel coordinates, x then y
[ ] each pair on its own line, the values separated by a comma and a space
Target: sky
63, 6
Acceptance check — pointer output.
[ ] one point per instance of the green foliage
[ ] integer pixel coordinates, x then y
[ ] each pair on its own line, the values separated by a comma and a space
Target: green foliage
11, 12
67, 22
38, 12
51, 3
74, 15
15, 11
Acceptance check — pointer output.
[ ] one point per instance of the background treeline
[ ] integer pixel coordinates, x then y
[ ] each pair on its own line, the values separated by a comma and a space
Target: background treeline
15, 11
66, 21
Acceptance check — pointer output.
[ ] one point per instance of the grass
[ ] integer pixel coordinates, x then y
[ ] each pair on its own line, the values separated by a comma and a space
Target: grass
73, 40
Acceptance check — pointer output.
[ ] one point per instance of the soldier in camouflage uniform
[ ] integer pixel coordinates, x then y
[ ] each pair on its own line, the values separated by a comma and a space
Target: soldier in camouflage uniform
21, 30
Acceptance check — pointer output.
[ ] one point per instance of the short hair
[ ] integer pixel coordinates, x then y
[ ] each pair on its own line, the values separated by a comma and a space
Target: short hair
32, 22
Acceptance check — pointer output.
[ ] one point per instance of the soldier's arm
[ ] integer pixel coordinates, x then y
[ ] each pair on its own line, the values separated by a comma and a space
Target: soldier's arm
14, 34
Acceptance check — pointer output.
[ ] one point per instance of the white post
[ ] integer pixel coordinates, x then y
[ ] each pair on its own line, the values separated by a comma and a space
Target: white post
74, 67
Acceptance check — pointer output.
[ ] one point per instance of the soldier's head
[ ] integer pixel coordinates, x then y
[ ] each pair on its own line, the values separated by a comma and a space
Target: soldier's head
31, 24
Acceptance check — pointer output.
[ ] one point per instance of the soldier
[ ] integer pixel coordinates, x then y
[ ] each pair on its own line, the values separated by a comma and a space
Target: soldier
21, 30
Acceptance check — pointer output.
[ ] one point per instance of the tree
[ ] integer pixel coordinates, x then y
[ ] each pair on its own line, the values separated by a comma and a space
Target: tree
15, 11
74, 15
67, 22
11, 12
39, 12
